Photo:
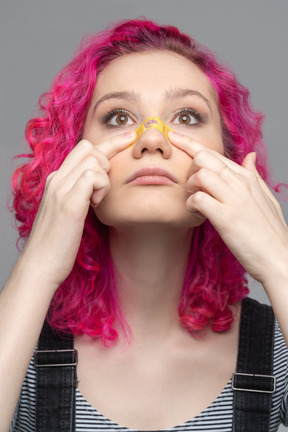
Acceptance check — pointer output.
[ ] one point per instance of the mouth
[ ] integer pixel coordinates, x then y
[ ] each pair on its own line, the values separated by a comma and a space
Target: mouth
152, 176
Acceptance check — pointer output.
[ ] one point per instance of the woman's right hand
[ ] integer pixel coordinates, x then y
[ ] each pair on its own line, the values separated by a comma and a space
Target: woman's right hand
81, 181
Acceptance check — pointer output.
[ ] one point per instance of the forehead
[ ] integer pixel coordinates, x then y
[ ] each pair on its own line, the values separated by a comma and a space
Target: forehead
152, 72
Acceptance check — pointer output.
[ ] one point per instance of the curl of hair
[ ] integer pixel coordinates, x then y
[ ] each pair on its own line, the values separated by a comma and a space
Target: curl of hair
86, 302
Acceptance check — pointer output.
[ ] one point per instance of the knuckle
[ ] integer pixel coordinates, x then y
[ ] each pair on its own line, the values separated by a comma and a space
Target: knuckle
50, 177
106, 165
103, 179
92, 162
102, 160
51, 182
196, 199
202, 175
88, 174
85, 145
200, 157
98, 178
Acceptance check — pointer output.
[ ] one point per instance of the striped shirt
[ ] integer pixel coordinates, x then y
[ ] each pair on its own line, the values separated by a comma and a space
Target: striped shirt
216, 417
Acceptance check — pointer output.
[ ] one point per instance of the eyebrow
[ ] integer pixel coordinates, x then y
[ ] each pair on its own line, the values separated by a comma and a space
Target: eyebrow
128, 95
179, 93
132, 96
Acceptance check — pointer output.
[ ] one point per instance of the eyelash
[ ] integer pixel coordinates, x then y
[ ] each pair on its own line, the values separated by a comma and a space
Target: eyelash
111, 114
190, 111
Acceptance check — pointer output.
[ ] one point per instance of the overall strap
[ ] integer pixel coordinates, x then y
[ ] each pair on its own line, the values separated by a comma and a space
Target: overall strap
253, 382
55, 362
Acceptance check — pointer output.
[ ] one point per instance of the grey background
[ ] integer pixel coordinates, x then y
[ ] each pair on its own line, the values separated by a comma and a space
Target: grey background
39, 37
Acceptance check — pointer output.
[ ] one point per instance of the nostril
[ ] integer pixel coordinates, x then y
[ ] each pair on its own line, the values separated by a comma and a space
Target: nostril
152, 141
144, 149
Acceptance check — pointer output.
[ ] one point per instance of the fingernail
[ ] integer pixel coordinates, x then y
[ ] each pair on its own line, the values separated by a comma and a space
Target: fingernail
129, 134
174, 133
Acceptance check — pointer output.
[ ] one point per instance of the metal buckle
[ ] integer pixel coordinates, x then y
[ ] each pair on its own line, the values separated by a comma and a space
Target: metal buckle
74, 358
271, 377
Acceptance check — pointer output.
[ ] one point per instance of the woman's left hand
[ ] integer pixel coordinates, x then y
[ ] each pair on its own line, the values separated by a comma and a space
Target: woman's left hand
240, 206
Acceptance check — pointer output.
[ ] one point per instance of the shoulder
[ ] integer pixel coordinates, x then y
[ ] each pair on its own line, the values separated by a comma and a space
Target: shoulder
280, 371
25, 413
265, 330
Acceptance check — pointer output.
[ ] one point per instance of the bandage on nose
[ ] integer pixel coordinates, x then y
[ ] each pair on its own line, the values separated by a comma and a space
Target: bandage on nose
152, 122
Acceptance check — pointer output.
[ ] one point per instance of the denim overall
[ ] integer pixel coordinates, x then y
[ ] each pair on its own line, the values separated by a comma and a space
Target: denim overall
253, 382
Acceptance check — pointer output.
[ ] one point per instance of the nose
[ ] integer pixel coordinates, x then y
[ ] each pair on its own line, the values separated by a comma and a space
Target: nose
152, 141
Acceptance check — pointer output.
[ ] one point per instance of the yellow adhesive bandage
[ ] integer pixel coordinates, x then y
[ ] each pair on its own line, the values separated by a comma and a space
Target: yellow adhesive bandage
152, 122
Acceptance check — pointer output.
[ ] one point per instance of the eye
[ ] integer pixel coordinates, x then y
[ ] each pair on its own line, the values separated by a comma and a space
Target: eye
117, 117
120, 119
188, 117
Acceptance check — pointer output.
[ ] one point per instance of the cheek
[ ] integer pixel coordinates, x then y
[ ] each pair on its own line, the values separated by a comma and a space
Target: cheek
216, 144
218, 138
212, 138
92, 131
210, 134
120, 166
91, 134
124, 204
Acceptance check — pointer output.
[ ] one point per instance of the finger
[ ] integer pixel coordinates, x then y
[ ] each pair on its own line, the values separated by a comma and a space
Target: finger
219, 164
249, 163
91, 187
102, 151
114, 145
101, 187
210, 182
205, 159
91, 163
187, 144
83, 150
269, 195
204, 204
192, 148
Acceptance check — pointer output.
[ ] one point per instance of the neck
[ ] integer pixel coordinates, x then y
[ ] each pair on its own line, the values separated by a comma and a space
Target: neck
151, 265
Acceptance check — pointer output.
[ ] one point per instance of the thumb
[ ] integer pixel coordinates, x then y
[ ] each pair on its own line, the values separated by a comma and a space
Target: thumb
249, 162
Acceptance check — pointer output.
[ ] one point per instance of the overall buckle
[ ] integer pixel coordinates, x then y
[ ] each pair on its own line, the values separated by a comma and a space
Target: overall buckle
56, 358
253, 382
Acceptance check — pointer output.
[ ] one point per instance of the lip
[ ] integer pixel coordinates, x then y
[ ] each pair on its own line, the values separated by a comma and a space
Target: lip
152, 175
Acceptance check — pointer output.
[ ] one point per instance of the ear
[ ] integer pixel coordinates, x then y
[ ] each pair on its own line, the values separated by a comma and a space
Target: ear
249, 162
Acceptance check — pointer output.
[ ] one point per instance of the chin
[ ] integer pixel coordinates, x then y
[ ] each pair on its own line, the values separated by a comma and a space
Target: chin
150, 218
158, 208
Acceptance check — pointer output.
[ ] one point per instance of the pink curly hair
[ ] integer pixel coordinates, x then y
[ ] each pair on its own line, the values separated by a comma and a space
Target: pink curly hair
86, 302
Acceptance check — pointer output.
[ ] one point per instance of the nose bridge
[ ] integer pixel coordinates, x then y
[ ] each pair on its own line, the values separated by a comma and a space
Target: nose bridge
152, 140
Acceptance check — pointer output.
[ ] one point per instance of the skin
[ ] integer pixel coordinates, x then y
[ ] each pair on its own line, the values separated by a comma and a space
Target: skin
150, 228
125, 75
161, 242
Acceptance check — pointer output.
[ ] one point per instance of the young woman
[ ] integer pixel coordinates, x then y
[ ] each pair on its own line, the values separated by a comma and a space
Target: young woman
138, 242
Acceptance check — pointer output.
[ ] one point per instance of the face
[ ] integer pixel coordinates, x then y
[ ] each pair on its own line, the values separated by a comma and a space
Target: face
129, 90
